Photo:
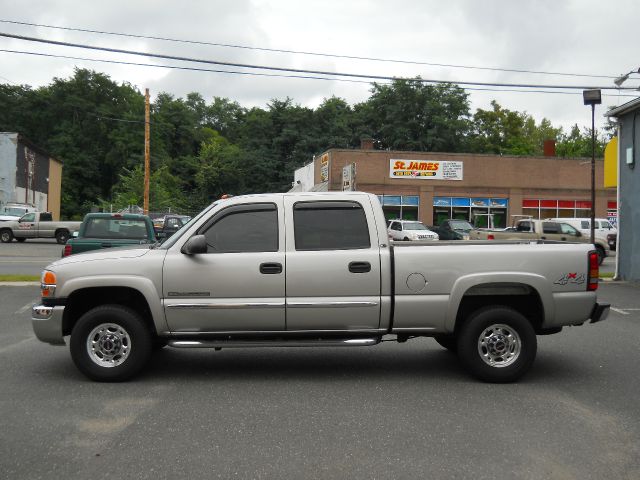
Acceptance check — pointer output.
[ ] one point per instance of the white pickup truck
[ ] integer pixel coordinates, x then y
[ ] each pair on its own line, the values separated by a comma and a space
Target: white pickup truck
37, 225
310, 270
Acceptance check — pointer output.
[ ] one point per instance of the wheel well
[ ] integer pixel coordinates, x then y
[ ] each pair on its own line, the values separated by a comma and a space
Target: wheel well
81, 301
62, 229
522, 298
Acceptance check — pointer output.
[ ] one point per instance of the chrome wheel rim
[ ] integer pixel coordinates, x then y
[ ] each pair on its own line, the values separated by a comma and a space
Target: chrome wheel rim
499, 345
108, 345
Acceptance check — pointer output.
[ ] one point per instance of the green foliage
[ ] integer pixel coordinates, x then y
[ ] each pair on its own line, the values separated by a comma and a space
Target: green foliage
200, 149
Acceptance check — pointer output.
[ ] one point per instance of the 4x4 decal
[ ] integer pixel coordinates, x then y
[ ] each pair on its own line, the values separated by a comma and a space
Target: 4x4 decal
570, 278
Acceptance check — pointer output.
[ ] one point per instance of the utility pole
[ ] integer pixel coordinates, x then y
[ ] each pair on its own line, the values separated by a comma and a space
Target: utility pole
146, 152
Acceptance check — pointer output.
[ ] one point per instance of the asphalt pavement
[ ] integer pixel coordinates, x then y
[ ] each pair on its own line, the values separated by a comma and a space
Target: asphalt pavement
389, 411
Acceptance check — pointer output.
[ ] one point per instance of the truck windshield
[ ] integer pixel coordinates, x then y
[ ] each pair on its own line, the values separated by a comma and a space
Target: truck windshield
413, 226
16, 212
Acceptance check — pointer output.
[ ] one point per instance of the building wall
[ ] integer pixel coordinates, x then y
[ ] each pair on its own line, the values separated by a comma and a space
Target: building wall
8, 145
28, 174
629, 185
489, 176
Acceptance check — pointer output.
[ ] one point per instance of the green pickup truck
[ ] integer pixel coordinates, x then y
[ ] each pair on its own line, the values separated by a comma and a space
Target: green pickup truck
108, 230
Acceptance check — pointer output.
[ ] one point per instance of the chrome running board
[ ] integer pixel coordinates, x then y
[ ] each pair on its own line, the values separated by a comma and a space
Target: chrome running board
328, 342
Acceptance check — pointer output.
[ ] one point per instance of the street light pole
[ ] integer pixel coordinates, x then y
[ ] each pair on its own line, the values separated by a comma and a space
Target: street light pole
593, 98
593, 173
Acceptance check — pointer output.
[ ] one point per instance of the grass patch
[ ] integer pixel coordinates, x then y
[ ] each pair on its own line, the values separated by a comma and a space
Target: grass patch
19, 278
606, 274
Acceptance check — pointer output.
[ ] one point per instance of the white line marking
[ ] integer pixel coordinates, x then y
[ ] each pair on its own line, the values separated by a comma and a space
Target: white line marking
620, 311
26, 307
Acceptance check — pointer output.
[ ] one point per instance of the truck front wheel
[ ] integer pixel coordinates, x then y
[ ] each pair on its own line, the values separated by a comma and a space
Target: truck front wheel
497, 344
6, 235
110, 343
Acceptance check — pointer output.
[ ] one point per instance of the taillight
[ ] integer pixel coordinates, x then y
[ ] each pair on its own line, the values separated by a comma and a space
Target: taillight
490, 237
594, 271
67, 250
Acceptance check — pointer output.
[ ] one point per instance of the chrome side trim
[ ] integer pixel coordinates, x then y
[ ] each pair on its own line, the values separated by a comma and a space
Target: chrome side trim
226, 306
331, 304
188, 333
409, 329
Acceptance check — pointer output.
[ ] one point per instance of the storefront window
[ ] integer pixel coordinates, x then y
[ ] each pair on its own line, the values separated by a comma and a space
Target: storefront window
545, 208
478, 211
403, 207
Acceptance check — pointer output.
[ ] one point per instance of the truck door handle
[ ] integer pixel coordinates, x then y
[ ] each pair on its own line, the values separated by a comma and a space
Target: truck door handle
564, 239
359, 267
543, 238
270, 268
106, 245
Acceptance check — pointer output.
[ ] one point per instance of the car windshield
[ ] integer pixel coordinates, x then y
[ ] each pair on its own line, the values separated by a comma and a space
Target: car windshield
413, 226
116, 228
461, 225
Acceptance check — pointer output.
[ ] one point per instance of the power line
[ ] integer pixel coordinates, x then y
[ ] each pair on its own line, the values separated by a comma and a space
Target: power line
235, 72
295, 70
300, 52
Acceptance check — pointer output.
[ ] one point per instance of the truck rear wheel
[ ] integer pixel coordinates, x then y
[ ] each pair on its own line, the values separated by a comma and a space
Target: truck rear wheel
6, 235
497, 344
62, 236
110, 343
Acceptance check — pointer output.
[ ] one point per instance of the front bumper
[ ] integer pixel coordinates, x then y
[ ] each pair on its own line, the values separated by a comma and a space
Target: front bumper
47, 323
600, 312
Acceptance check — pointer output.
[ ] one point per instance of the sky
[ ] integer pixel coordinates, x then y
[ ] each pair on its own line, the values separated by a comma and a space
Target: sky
470, 40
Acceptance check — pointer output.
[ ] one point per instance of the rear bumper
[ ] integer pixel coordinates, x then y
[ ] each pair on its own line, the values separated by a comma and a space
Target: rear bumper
600, 312
47, 323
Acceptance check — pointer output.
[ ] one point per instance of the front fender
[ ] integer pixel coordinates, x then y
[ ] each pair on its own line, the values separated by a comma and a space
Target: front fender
539, 283
136, 282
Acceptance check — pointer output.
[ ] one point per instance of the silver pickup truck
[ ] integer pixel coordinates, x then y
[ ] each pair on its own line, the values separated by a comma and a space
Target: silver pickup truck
313, 269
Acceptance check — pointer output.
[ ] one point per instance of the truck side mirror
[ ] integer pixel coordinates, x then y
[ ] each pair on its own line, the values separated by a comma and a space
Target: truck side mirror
196, 244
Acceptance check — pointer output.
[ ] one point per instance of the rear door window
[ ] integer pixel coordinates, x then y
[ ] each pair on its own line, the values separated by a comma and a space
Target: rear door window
330, 226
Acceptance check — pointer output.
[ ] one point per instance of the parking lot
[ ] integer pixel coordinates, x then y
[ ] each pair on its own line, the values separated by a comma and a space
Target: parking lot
390, 411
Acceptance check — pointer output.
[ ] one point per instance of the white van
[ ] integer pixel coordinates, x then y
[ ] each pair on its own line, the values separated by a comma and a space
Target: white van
603, 229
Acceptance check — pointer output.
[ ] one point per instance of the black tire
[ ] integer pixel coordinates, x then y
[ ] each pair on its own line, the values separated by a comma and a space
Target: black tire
601, 254
447, 341
121, 344
21, 239
6, 235
497, 344
62, 236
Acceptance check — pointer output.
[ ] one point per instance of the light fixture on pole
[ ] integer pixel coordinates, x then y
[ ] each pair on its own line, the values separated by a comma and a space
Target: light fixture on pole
593, 98
623, 78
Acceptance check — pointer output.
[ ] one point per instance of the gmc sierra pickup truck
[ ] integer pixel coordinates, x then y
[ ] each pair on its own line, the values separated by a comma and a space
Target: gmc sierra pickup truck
313, 269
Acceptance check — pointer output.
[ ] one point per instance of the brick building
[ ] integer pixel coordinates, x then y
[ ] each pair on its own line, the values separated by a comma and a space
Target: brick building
431, 187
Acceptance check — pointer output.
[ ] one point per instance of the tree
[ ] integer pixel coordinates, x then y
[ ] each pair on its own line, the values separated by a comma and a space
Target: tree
411, 115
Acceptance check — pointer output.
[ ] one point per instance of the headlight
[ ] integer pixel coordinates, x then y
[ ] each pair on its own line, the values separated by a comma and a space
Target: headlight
48, 282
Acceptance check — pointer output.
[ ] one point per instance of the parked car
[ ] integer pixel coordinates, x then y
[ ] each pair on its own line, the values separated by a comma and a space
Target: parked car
13, 211
170, 225
453, 229
603, 230
409, 230
37, 225
310, 270
108, 230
